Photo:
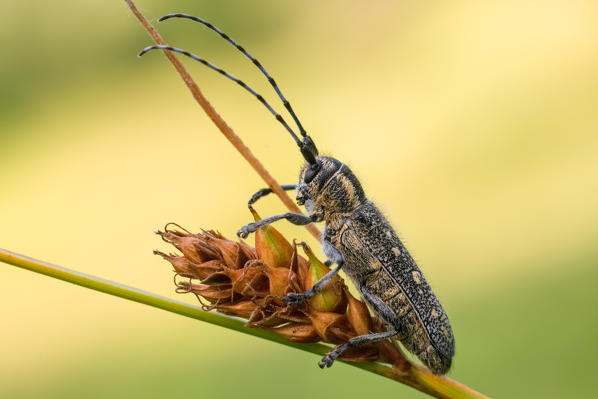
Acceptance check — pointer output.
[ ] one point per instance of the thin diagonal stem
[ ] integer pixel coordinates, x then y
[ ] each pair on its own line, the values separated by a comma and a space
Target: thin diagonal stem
226, 130
417, 377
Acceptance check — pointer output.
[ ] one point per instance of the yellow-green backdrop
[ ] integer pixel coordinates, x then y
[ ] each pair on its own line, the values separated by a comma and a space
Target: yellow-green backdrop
473, 125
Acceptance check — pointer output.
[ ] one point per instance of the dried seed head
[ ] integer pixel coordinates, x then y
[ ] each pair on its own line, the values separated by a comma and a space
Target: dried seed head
271, 246
235, 279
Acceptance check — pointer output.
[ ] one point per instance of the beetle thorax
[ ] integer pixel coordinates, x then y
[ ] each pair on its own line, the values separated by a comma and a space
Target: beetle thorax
333, 188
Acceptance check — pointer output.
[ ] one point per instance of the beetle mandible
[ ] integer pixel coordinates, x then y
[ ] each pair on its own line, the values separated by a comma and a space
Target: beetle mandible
357, 238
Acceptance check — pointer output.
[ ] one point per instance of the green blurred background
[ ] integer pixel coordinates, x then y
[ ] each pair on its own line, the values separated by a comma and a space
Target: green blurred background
473, 125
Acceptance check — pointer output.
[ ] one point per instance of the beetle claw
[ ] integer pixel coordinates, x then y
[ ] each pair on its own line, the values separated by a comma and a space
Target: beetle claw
326, 361
245, 231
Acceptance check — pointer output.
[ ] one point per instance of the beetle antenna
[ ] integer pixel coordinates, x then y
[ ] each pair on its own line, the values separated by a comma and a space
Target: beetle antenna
261, 99
286, 103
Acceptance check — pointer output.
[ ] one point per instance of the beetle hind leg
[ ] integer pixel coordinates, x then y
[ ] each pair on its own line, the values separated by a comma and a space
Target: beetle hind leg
354, 343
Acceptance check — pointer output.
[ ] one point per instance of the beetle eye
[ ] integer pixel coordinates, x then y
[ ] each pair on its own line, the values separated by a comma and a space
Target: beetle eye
311, 173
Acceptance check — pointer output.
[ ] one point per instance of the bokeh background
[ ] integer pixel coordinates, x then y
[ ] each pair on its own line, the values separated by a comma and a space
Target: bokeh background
474, 125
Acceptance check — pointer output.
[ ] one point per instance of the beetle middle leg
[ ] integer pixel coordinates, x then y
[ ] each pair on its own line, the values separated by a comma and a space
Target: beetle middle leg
353, 343
295, 298
334, 256
295, 218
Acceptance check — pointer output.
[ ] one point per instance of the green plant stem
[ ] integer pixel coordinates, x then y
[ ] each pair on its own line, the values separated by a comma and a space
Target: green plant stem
417, 377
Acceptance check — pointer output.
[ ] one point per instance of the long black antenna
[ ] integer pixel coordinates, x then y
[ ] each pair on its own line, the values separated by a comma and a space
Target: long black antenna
261, 99
246, 53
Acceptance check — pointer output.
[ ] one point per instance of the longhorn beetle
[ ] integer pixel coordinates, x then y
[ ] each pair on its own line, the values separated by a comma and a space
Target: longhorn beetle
357, 238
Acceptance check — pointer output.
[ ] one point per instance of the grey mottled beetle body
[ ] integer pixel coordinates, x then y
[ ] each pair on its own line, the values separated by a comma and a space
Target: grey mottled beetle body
378, 263
359, 239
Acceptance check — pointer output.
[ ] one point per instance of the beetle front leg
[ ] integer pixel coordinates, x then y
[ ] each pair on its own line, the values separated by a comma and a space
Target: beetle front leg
295, 218
265, 191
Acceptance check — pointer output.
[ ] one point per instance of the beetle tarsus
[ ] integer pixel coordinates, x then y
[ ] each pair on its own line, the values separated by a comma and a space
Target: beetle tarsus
246, 230
327, 360
295, 299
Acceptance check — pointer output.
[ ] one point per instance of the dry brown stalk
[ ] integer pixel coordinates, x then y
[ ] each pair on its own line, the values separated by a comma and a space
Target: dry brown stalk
226, 130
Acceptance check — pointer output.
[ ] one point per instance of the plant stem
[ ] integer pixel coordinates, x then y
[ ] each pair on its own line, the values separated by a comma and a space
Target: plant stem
417, 377
226, 130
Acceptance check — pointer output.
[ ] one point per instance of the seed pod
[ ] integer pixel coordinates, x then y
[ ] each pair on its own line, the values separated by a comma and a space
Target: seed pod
242, 309
250, 281
230, 251
180, 263
261, 320
206, 270
358, 315
272, 311
331, 298
296, 332
332, 327
213, 294
299, 267
206, 252
278, 278
248, 253
271, 246
184, 243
